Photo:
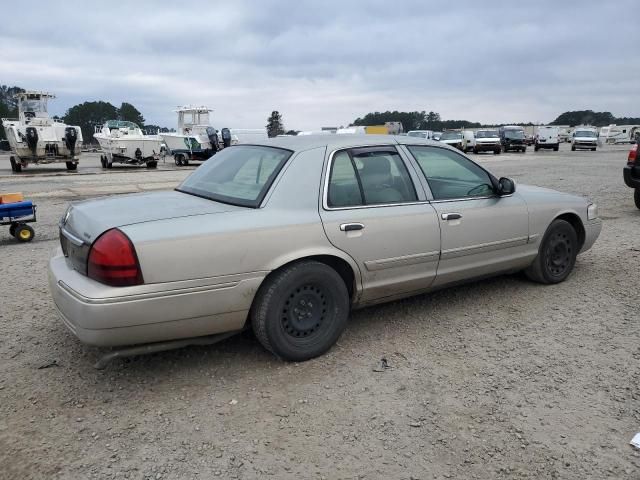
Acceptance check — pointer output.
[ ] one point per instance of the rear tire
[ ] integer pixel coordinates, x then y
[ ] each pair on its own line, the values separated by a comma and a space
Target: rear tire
496, 151
557, 254
636, 197
15, 166
103, 161
12, 229
573, 148
72, 166
536, 148
152, 164
24, 233
300, 311
177, 158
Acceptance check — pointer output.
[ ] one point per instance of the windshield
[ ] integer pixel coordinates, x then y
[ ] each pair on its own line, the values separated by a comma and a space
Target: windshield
585, 133
514, 134
486, 134
451, 136
33, 105
239, 175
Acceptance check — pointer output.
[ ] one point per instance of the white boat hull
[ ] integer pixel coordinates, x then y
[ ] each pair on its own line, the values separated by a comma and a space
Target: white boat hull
132, 149
51, 146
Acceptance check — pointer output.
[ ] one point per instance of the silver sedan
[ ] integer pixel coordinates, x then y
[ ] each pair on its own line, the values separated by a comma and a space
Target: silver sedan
288, 236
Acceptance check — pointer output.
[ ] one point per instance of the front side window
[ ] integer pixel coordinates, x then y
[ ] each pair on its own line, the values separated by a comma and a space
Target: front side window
451, 175
240, 175
369, 176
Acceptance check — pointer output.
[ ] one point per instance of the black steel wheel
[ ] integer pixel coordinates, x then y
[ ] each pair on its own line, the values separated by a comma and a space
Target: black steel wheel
24, 233
301, 310
636, 197
557, 254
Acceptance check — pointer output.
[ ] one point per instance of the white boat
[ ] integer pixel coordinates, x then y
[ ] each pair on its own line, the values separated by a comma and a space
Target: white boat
125, 142
36, 138
195, 138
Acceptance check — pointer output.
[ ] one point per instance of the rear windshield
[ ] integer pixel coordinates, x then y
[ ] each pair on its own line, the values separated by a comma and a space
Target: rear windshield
239, 175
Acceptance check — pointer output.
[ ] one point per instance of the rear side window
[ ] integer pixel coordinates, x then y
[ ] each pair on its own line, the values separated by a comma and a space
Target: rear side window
369, 176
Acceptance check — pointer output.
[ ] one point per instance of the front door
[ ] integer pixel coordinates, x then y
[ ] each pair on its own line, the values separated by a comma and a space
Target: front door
375, 210
481, 233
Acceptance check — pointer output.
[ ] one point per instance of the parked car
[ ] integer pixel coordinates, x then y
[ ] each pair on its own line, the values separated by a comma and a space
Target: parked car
512, 138
547, 137
631, 174
584, 139
529, 140
487, 141
462, 140
287, 236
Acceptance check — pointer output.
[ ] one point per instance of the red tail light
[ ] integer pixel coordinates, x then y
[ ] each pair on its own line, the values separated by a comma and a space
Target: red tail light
113, 260
633, 153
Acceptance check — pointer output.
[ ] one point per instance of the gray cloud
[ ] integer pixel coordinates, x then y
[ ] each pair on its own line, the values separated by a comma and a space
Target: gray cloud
326, 63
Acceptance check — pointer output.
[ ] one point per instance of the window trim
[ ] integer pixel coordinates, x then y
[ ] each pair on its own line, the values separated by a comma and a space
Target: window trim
492, 178
327, 178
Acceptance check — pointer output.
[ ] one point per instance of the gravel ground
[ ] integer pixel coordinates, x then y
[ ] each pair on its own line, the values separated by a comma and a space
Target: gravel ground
496, 379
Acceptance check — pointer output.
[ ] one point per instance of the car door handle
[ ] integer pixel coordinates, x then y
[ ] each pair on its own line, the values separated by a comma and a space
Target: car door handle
451, 216
351, 227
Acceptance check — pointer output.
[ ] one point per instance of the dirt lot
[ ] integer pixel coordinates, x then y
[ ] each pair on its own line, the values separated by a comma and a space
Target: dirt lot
497, 379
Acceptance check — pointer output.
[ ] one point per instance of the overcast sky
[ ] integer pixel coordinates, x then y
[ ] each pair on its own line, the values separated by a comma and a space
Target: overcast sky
325, 63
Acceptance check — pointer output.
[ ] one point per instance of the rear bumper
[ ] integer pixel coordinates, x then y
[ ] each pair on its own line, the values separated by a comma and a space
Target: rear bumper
115, 316
631, 176
592, 231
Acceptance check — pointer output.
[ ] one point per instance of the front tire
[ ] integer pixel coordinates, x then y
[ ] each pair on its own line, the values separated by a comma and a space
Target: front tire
300, 311
72, 166
636, 197
557, 254
573, 148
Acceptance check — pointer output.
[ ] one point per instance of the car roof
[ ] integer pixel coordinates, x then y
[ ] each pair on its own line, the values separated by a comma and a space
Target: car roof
306, 142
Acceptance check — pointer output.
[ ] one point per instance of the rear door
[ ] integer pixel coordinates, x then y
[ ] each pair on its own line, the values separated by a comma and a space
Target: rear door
375, 210
481, 233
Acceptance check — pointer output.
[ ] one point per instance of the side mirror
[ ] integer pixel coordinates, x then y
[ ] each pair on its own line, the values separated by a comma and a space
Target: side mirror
506, 186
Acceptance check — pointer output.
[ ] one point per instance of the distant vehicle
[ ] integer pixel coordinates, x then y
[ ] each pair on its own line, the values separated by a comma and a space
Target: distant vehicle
631, 174
584, 138
37, 138
436, 136
529, 140
463, 140
512, 138
362, 129
428, 134
248, 135
125, 142
547, 137
305, 229
487, 141
615, 134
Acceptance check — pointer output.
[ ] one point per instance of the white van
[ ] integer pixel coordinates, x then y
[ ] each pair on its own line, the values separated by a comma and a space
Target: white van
464, 140
428, 134
547, 137
584, 138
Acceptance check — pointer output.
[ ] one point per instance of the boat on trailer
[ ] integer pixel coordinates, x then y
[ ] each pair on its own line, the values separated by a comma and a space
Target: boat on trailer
125, 142
36, 138
195, 138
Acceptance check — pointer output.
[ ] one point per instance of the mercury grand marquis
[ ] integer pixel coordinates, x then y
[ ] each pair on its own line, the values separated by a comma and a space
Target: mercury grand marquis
286, 237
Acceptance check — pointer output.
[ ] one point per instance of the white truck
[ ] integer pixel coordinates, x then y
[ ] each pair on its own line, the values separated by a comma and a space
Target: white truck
547, 137
584, 138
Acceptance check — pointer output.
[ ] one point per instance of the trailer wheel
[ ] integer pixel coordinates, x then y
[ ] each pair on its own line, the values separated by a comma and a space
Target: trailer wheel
109, 164
72, 166
24, 233
12, 229
103, 161
152, 164
15, 166
177, 158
